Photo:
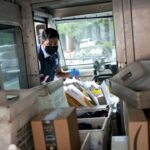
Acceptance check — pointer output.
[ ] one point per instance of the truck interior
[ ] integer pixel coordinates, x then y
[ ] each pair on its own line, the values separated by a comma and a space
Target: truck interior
107, 41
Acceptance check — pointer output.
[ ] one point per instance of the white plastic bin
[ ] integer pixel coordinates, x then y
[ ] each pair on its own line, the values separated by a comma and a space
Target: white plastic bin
85, 141
83, 110
132, 84
99, 137
135, 76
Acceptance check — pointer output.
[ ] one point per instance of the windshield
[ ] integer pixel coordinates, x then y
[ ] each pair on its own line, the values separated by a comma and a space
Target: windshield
85, 41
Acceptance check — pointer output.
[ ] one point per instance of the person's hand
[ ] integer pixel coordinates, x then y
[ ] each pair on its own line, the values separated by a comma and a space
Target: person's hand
62, 73
45, 79
74, 73
43, 82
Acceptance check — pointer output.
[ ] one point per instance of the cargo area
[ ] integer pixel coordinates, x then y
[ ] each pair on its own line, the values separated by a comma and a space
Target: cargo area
25, 114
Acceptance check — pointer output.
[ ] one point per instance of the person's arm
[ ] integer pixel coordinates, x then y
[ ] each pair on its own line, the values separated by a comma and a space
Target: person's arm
45, 79
61, 73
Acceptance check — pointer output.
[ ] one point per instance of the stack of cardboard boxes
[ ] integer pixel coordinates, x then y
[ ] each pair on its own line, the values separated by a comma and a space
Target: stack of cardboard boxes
59, 128
56, 129
132, 85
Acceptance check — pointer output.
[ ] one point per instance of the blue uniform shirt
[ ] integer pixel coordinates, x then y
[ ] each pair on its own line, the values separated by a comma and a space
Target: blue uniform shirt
48, 64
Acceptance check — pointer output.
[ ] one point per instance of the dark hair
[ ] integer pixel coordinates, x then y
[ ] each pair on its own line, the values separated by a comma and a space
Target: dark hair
49, 33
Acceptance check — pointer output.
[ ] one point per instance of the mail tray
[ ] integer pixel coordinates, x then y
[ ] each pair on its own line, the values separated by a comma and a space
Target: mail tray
132, 84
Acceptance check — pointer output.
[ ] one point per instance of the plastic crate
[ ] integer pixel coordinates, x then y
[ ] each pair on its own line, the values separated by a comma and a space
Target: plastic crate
99, 137
85, 141
135, 76
132, 84
83, 110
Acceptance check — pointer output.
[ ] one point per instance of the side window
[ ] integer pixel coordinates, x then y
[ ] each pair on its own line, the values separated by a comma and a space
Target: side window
12, 61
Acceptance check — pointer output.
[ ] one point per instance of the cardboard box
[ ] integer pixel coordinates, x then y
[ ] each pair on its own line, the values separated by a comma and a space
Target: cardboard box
56, 129
137, 127
18, 131
23, 99
17, 108
147, 114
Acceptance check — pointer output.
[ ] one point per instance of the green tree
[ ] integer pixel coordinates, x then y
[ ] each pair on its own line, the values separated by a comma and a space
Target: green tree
98, 23
72, 32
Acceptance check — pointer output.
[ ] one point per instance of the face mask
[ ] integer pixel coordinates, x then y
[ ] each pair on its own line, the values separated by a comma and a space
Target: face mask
51, 49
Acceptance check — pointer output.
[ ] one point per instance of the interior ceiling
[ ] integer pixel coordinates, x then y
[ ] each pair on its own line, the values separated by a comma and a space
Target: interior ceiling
66, 8
58, 4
